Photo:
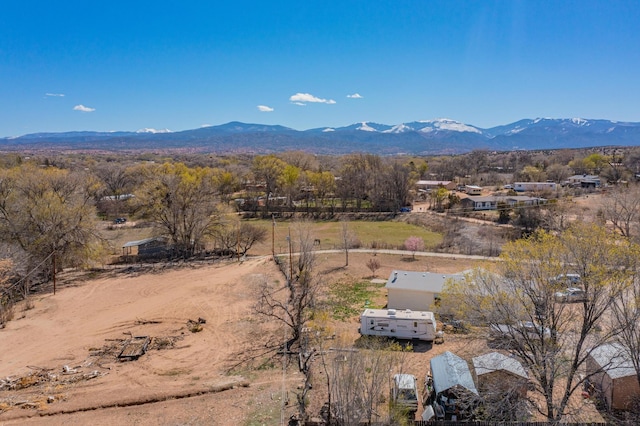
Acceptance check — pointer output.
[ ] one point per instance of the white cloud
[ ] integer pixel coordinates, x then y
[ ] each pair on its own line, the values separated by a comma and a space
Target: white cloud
60, 95
303, 98
264, 108
299, 103
83, 108
355, 96
205, 125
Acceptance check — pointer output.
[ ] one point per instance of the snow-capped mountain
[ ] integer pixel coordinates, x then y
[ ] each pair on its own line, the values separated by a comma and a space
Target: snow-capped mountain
440, 136
150, 130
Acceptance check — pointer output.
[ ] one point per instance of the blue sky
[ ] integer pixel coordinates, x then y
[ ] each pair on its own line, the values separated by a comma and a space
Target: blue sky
82, 65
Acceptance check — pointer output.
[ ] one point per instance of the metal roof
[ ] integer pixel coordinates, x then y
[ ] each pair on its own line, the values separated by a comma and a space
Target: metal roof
141, 242
504, 198
433, 182
449, 370
495, 361
425, 281
405, 381
614, 360
397, 313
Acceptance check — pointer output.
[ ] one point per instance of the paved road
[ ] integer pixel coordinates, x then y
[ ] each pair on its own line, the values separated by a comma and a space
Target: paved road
408, 253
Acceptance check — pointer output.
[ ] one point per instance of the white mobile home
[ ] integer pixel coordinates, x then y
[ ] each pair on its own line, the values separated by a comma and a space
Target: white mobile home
534, 186
402, 324
473, 189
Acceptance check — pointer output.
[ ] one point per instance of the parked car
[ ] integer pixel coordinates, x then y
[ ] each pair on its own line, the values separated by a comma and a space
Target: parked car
522, 329
570, 295
568, 278
119, 220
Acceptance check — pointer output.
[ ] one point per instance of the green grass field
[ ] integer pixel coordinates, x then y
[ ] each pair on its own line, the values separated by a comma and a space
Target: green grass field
375, 234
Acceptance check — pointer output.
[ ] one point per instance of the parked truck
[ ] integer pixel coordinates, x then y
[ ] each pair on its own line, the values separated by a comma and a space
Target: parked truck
401, 324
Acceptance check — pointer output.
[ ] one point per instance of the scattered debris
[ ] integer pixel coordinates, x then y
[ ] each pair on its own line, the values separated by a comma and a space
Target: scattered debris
143, 322
134, 348
68, 370
196, 326
167, 342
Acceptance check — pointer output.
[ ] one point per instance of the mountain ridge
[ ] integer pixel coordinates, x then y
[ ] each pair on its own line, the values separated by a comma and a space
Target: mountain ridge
427, 137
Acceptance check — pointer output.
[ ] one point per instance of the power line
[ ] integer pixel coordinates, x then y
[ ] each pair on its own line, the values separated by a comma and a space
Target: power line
12, 286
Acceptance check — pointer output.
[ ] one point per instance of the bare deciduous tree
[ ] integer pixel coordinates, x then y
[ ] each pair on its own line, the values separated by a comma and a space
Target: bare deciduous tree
626, 315
550, 338
347, 238
373, 264
181, 202
292, 303
358, 381
238, 237
621, 207
48, 210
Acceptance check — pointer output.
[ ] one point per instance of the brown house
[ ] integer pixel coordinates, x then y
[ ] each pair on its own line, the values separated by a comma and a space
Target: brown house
498, 372
613, 376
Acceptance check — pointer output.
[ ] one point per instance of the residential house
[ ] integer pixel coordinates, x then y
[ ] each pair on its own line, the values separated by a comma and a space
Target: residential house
490, 202
584, 181
497, 372
534, 186
612, 374
428, 185
417, 291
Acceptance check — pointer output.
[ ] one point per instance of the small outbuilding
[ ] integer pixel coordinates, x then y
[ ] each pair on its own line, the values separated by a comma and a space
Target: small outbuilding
612, 374
453, 387
149, 247
496, 372
417, 291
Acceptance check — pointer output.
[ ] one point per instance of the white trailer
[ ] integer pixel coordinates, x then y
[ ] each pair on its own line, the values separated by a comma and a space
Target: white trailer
534, 186
401, 324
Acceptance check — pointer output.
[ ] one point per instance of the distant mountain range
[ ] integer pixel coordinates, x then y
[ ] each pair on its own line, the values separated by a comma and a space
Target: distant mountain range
430, 137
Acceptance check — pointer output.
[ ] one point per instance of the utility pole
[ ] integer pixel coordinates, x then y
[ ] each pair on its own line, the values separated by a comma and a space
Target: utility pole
54, 273
273, 236
290, 259
238, 243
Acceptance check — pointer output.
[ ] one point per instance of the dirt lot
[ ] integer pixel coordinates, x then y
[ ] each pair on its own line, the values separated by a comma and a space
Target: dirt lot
61, 356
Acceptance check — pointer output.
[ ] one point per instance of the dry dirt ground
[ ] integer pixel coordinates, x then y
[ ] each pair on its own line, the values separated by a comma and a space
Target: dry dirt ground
58, 360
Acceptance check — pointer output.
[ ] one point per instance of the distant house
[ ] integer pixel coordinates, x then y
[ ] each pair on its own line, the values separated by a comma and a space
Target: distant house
490, 202
473, 189
416, 291
149, 247
584, 181
498, 372
453, 386
613, 375
534, 186
428, 185
120, 197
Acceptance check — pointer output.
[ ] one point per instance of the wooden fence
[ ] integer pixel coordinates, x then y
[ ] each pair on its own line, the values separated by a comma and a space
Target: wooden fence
479, 423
